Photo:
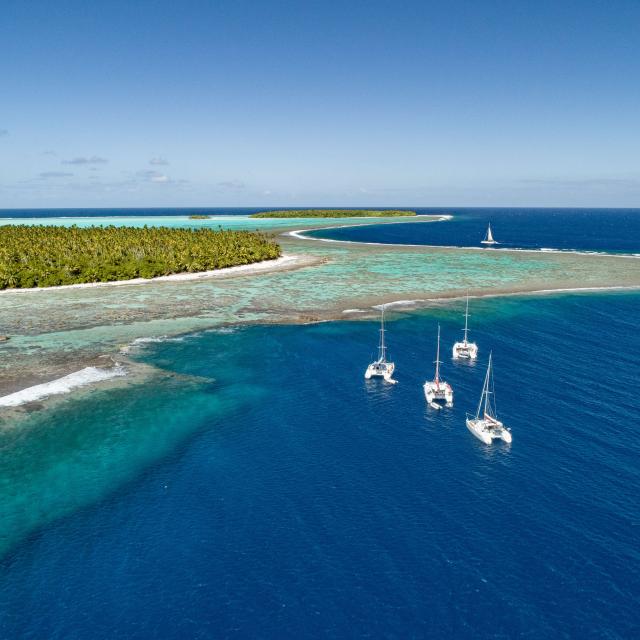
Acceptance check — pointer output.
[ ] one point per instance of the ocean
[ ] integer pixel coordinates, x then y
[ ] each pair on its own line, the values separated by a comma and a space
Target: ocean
593, 230
261, 488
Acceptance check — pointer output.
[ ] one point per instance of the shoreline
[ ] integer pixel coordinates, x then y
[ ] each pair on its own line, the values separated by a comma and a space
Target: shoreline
283, 263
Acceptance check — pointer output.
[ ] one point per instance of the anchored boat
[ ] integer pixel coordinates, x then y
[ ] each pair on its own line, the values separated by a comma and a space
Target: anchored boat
488, 239
380, 368
438, 391
487, 428
465, 350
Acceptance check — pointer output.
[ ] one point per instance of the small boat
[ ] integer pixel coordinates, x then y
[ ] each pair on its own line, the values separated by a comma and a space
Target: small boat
487, 428
488, 239
465, 350
437, 391
380, 368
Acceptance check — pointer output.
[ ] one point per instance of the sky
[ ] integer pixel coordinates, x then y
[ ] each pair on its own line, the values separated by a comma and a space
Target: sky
303, 103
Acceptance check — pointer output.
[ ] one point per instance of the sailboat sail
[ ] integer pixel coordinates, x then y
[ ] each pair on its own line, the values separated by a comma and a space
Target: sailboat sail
489, 237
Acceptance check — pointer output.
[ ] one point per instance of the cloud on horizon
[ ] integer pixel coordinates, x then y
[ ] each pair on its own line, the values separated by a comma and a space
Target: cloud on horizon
159, 161
232, 184
81, 160
583, 182
54, 174
152, 175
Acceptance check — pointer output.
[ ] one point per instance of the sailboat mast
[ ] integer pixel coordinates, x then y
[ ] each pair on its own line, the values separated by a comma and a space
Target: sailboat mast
382, 349
437, 380
466, 321
486, 385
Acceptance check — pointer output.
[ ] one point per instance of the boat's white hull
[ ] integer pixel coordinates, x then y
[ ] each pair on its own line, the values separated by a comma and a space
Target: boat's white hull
487, 431
465, 351
438, 393
382, 370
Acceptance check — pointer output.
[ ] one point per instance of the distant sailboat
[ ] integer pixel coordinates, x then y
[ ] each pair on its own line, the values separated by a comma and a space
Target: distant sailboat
436, 390
380, 368
487, 428
488, 239
465, 349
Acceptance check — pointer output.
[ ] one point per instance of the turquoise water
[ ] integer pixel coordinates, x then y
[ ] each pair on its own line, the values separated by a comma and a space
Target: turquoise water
230, 221
254, 485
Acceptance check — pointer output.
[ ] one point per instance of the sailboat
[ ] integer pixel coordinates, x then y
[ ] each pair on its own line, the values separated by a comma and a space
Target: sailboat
488, 239
465, 349
380, 368
437, 391
487, 428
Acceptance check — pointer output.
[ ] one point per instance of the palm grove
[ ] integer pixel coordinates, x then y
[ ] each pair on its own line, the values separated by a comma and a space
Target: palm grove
44, 256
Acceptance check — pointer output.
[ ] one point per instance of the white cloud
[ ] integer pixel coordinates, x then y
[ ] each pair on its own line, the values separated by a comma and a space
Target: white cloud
80, 160
54, 174
151, 175
232, 184
159, 161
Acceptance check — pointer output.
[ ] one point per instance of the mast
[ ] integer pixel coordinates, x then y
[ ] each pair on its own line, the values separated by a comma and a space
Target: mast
466, 321
382, 349
485, 391
437, 379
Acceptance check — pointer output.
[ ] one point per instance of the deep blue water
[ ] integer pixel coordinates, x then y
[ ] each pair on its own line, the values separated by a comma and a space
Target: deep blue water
319, 505
610, 230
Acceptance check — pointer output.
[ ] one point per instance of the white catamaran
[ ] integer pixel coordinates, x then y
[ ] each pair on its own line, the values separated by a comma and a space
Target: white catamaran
465, 349
380, 368
488, 239
487, 428
437, 391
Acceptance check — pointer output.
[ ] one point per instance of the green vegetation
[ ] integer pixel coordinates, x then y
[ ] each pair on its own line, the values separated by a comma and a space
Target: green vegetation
333, 213
45, 256
199, 216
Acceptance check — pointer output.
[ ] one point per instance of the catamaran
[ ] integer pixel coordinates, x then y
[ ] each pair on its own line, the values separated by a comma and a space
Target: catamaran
437, 391
487, 428
488, 239
465, 349
380, 368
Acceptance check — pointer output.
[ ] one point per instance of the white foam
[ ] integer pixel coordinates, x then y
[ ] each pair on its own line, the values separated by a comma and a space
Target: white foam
66, 384
299, 233
398, 303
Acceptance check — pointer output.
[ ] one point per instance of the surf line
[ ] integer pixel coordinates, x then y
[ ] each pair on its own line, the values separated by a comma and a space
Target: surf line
65, 384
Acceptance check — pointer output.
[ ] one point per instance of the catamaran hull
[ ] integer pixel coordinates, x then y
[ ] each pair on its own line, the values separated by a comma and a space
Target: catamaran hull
465, 352
374, 370
435, 396
477, 428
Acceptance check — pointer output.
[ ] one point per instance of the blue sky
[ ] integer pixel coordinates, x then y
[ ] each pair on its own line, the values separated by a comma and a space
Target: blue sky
236, 103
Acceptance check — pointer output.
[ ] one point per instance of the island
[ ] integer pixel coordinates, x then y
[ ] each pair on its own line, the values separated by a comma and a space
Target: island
199, 216
334, 213
47, 256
